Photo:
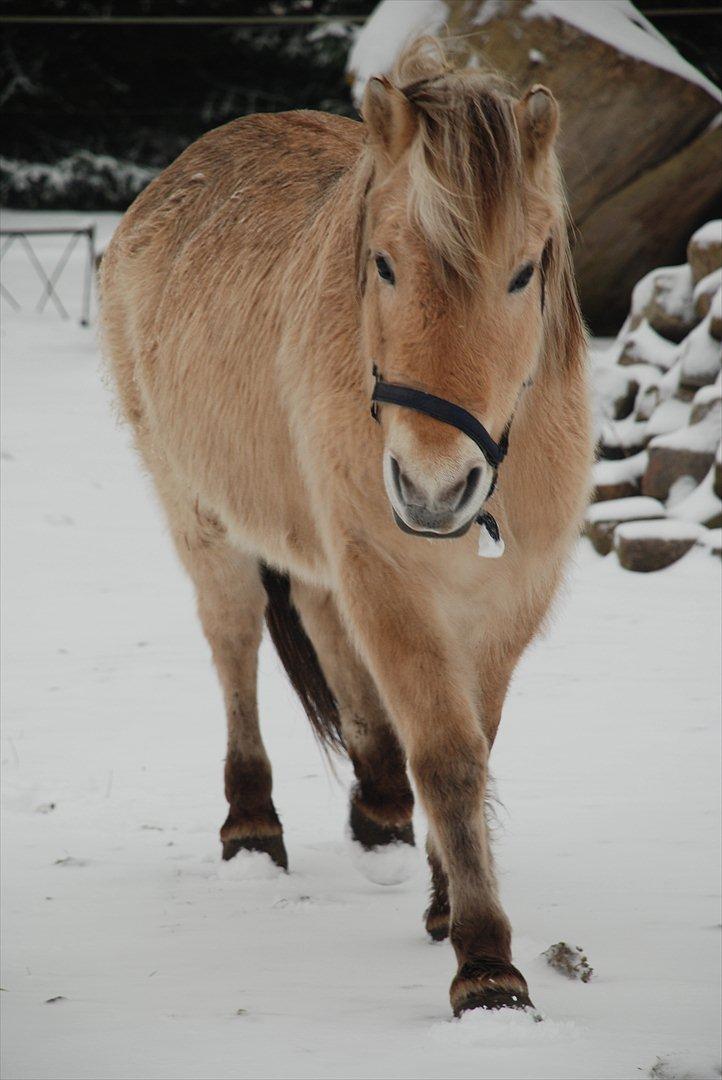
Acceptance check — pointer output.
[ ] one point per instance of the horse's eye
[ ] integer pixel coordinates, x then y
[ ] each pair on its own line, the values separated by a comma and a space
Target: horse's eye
522, 279
385, 271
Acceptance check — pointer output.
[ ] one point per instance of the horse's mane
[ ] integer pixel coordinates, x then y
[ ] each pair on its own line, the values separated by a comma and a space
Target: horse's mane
466, 169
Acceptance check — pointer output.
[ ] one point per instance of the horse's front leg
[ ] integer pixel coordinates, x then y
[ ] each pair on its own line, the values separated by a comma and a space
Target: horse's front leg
431, 696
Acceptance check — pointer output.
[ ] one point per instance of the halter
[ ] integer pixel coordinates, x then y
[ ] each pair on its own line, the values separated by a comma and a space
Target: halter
407, 397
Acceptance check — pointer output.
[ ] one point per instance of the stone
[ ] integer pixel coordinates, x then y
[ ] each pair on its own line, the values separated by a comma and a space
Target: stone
646, 546
603, 517
671, 311
704, 250
687, 452
704, 292
619, 479
700, 355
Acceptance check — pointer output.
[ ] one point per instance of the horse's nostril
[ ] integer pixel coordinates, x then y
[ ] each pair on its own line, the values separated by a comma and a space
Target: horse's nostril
469, 489
406, 490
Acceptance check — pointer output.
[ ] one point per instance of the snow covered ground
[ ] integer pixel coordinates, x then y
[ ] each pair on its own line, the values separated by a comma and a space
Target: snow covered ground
163, 963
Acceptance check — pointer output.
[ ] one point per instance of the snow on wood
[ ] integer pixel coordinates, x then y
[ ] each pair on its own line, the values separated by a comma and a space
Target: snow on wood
392, 24
702, 504
645, 345
700, 355
668, 416
620, 24
701, 438
659, 530
616, 472
632, 509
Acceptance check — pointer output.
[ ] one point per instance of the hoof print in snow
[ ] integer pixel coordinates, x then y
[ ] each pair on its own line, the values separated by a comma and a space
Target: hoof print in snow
569, 960
273, 846
489, 985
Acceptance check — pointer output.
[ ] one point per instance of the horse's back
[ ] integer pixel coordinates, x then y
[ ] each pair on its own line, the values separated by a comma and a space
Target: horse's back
235, 199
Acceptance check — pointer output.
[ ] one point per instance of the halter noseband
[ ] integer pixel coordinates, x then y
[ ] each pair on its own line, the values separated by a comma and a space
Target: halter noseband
448, 413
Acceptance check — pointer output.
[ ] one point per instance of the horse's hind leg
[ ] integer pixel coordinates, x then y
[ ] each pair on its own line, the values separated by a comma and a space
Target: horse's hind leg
381, 802
231, 603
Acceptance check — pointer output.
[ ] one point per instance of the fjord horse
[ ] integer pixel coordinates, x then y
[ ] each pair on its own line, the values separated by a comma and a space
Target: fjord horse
254, 297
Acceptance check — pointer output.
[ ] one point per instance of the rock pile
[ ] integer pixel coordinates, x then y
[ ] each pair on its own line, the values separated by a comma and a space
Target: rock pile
658, 483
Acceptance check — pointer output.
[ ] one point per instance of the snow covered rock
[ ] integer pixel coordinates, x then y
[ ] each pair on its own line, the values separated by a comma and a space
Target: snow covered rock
645, 346
619, 479
620, 169
668, 416
671, 310
715, 316
704, 251
706, 400
622, 438
702, 506
689, 451
704, 291
700, 355
645, 546
603, 517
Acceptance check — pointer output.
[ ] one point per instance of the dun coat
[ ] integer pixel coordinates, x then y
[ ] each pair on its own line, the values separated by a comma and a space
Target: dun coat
247, 294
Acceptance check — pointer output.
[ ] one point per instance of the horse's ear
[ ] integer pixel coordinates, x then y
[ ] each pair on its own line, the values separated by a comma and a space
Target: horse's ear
537, 115
390, 119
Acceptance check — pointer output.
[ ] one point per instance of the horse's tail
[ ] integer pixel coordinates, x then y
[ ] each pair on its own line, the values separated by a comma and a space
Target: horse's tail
300, 660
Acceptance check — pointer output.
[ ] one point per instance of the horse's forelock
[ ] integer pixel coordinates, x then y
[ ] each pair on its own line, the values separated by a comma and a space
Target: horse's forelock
465, 163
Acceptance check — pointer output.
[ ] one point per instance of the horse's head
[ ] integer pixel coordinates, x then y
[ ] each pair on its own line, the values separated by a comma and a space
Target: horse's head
462, 214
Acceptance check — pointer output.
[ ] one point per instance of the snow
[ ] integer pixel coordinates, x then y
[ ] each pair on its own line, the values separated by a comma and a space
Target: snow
708, 235
668, 416
617, 22
673, 288
633, 508
701, 438
659, 530
700, 353
701, 505
617, 472
391, 25
709, 285
646, 346
620, 24
165, 963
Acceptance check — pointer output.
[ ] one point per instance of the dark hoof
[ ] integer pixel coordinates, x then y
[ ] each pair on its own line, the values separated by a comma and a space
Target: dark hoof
437, 922
489, 984
370, 834
272, 845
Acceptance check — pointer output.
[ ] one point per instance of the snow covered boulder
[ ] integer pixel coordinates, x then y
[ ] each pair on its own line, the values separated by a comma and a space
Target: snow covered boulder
619, 479
715, 316
645, 346
689, 452
645, 546
702, 506
700, 355
603, 517
704, 292
704, 251
624, 438
637, 188
671, 310
708, 399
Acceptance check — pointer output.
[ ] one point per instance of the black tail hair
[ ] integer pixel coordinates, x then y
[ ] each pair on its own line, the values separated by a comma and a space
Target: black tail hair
299, 658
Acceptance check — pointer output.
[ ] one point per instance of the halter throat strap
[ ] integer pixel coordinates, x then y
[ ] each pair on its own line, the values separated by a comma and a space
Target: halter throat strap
440, 409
